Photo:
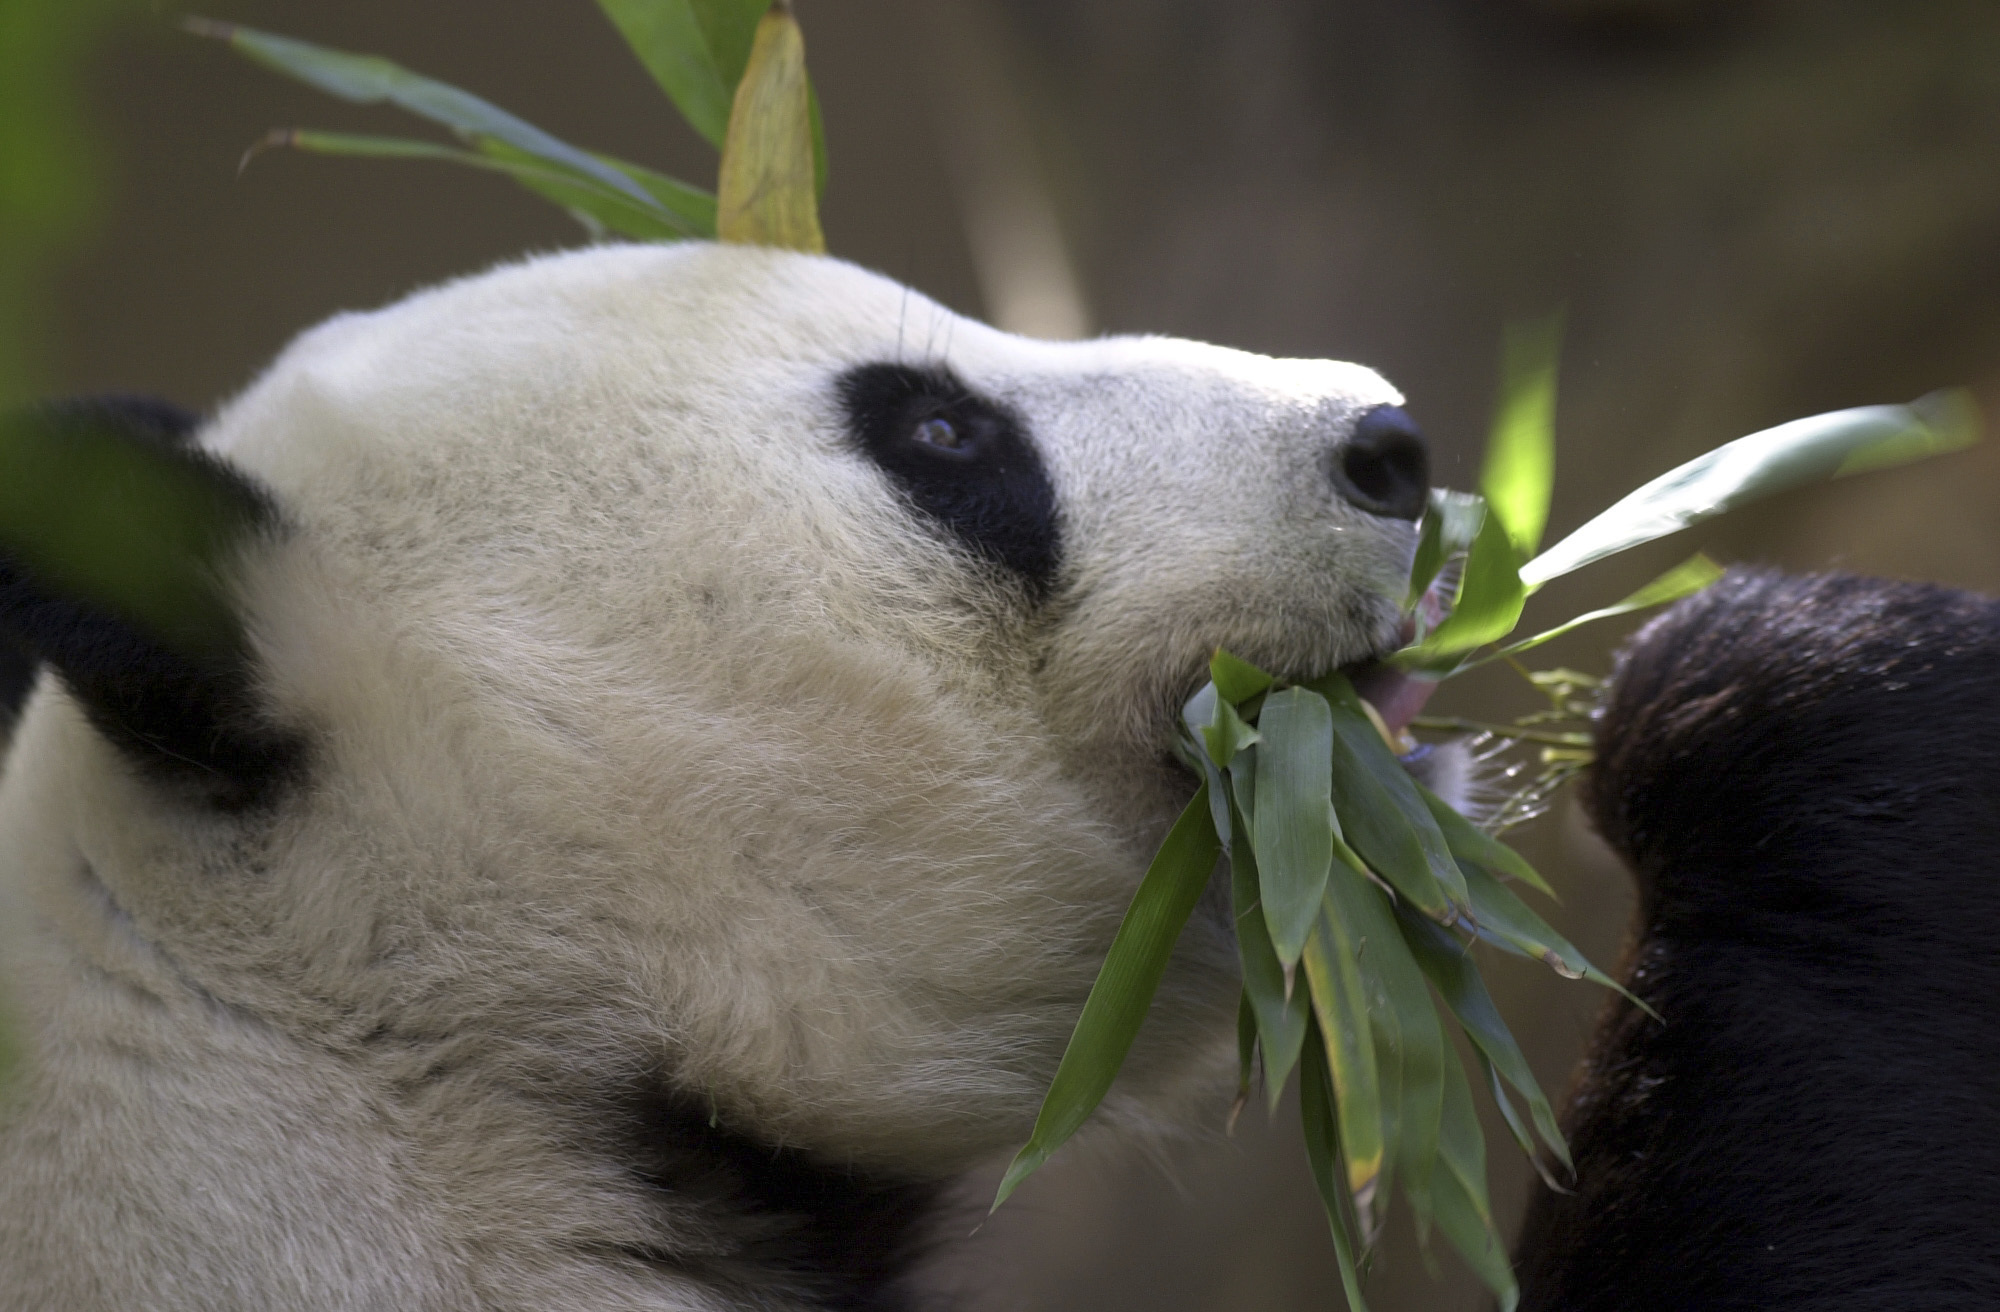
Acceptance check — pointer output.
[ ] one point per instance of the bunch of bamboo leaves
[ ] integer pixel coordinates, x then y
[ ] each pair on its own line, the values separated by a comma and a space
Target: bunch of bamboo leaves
734, 68
1357, 893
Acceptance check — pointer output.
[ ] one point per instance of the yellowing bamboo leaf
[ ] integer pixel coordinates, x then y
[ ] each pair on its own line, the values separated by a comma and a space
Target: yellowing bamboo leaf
1340, 1005
767, 194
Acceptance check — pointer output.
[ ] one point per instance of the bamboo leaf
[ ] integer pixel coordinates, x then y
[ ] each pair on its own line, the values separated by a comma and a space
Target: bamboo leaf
1290, 827
1226, 734
768, 194
1340, 1005
1502, 919
1488, 606
1450, 970
1409, 1043
1461, 1141
693, 206
1448, 530
1802, 451
1316, 1114
1243, 782
1236, 679
1509, 1113
1282, 1014
1124, 989
1520, 470
370, 79
669, 38
1471, 845
1382, 815
729, 27
1246, 1052
1684, 579
1458, 1193
570, 190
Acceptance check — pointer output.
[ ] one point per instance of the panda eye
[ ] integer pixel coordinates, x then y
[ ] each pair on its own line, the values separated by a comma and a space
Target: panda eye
945, 438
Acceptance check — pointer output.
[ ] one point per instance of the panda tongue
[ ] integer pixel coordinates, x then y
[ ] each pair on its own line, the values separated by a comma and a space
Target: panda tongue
1396, 697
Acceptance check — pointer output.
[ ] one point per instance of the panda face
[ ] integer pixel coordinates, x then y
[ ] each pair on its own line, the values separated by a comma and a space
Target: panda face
725, 670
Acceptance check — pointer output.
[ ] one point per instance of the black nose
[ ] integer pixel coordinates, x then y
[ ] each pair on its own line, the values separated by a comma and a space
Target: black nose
1385, 468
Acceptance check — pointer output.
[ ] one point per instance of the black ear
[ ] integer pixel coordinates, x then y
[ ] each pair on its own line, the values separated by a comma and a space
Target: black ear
116, 534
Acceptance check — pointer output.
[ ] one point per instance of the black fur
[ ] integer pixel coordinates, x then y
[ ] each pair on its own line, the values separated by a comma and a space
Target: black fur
186, 710
1805, 775
991, 490
779, 1219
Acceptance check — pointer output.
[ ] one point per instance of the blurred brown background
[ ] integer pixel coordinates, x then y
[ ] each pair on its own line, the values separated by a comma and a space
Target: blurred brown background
1751, 210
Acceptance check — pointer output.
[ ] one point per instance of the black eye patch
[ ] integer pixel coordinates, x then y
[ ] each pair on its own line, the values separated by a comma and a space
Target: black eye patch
961, 459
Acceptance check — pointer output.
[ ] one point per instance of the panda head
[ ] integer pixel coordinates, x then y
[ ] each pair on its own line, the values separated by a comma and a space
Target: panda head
710, 670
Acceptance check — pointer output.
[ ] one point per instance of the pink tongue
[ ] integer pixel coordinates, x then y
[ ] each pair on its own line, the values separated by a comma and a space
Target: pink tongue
1396, 697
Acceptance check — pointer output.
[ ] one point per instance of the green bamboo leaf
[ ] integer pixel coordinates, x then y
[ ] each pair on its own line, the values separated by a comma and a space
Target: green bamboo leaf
1461, 1141
1684, 579
1199, 716
1449, 527
1246, 1051
1488, 606
570, 190
1502, 919
1282, 1014
693, 206
1124, 989
1458, 1193
1340, 1004
1236, 679
729, 30
670, 39
1520, 468
1790, 455
1226, 734
1243, 783
1382, 815
1471, 845
1316, 1115
1290, 827
1518, 1128
370, 79
1451, 972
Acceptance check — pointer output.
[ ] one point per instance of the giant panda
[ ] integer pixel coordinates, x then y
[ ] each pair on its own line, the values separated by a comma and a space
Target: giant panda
693, 718
1804, 774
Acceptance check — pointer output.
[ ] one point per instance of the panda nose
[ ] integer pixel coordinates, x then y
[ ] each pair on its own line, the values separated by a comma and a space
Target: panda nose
1384, 467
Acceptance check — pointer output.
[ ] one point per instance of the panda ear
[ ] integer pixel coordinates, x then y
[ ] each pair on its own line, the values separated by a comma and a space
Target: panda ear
116, 537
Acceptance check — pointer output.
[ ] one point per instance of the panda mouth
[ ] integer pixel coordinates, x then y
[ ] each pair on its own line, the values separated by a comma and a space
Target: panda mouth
1396, 697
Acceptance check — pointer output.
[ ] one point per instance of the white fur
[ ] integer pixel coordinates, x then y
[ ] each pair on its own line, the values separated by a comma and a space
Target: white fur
652, 737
